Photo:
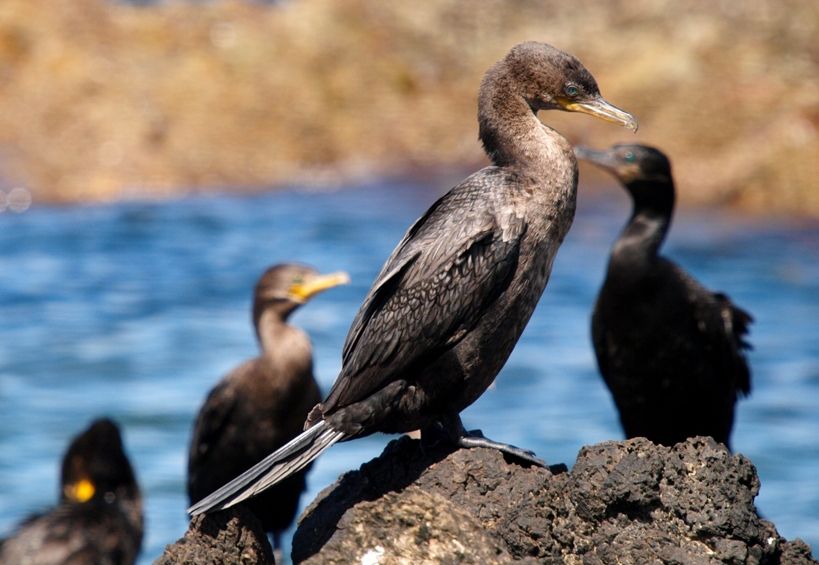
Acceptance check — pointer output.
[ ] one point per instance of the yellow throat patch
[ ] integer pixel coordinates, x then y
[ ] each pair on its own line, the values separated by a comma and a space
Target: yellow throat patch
81, 491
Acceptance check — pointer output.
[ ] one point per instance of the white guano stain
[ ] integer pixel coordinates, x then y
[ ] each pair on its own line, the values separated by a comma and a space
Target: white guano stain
373, 556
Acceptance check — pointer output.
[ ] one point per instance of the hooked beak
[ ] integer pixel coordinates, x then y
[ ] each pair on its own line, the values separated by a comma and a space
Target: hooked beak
607, 160
306, 290
602, 159
599, 108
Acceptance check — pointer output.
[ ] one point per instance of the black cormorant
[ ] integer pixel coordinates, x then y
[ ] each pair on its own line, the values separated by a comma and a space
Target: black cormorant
452, 300
99, 516
671, 351
262, 404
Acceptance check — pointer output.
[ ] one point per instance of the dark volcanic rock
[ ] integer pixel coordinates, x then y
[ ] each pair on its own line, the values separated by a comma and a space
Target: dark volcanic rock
232, 536
624, 502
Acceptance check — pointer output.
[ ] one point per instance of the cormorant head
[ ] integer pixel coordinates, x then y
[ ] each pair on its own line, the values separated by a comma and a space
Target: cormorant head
549, 79
645, 171
629, 162
95, 467
285, 287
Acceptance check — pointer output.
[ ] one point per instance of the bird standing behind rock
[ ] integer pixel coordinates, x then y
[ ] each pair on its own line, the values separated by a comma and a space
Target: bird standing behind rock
671, 351
452, 300
99, 517
262, 404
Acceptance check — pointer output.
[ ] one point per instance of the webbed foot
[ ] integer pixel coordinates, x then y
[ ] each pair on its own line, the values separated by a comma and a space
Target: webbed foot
452, 429
475, 438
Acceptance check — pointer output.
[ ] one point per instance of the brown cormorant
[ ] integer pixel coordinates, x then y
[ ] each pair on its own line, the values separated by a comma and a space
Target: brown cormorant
99, 516
671, 351
452, 300
262, 403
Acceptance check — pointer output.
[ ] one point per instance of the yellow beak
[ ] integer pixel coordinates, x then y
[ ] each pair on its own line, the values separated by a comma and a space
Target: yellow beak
599, 108
304, 291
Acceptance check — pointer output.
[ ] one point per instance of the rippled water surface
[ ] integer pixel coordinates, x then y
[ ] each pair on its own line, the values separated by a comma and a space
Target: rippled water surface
135, 310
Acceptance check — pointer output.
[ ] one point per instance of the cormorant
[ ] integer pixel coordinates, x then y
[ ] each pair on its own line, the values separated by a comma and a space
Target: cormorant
670, 350
99, 516
452, 300
262, 403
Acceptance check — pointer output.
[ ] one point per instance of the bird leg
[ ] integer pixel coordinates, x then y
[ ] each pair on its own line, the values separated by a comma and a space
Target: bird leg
457, 435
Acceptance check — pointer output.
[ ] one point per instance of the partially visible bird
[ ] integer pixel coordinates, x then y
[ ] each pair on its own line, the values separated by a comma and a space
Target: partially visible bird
99, 516
671, 351
262, 403
452, 300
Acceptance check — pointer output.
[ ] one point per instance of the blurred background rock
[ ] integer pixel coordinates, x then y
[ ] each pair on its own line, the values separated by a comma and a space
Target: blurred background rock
102, 100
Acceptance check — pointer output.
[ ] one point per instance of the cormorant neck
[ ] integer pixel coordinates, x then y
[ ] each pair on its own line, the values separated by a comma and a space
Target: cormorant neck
270, 326
653, 197
510, 131
650, 219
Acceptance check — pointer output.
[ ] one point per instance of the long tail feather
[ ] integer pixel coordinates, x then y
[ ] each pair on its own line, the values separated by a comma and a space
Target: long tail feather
288, 459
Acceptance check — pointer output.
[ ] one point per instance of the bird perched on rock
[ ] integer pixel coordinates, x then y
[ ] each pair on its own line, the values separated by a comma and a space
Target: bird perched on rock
671, 351
99, 516
452, 300
262, 403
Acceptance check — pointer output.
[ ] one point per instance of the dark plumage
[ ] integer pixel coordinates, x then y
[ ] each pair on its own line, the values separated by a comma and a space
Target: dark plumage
99, 516
671, 351
262, 404
453, 298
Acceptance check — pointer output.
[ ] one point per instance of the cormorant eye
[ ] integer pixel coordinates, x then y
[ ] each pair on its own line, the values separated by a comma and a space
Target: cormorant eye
571, 90
298, 280
630, 157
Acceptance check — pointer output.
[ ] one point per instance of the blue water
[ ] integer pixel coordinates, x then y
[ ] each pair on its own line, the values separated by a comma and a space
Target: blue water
135, 310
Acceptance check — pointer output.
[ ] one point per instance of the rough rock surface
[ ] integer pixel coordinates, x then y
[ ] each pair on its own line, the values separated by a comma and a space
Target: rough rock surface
624, 502
232, 536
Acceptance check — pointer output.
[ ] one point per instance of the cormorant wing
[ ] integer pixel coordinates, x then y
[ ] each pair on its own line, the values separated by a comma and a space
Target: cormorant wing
452, 263
724, 323
212, 419
736, 322
600, 343
71, 533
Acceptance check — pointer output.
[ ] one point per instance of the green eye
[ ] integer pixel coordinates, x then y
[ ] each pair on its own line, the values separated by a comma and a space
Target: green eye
571, 90
298, 280
630, 157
